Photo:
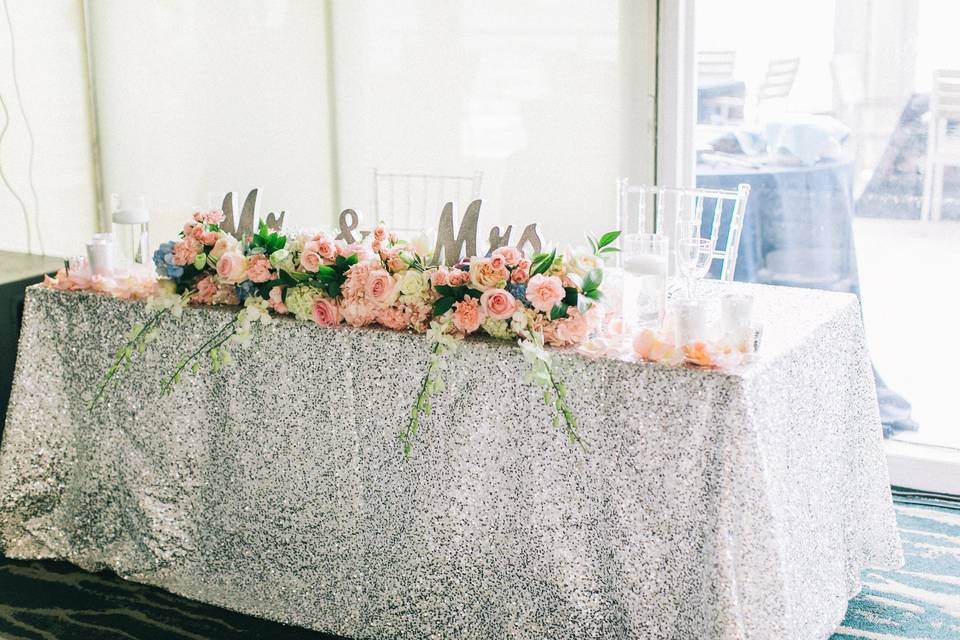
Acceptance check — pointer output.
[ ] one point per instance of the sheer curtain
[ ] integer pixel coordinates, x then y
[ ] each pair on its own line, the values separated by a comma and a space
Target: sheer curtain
214, 96
46, 46
536, 95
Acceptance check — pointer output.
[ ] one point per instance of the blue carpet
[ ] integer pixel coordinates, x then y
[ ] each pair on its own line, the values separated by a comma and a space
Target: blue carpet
56, 601
922, 599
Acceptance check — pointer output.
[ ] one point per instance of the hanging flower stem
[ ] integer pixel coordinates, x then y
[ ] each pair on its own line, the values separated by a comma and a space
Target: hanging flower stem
421, 406
210, 347
136, 343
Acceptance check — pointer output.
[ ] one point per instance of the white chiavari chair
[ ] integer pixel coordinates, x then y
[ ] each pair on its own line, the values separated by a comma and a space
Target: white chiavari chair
715, 65
411, 202
640, 205
943, 139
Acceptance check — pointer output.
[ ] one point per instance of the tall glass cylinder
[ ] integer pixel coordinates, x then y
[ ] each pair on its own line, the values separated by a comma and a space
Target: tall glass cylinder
645, 279
130, 229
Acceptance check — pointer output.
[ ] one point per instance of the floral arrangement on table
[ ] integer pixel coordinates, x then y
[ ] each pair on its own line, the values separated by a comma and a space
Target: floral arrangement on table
546, 299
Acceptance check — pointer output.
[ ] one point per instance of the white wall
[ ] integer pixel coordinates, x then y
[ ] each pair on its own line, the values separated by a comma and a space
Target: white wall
52, 79
196, 97
529, 93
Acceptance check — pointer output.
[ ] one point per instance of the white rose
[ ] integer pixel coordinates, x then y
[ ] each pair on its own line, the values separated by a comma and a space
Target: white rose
581, 262
413, 284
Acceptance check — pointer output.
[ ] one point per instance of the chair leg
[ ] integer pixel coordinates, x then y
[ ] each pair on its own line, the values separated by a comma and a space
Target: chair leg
927, 190
936, 201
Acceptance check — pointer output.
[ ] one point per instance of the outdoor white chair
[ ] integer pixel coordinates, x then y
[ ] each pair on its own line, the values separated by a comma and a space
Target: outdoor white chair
715, 65
635, 204
943, 139
779, 79
412, 202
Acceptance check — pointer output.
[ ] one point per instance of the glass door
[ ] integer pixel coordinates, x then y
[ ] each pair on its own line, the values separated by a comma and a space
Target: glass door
844, 121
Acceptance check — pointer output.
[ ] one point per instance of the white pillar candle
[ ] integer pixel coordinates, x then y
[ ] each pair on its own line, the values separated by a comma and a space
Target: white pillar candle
100, 254
690, 322
736, 315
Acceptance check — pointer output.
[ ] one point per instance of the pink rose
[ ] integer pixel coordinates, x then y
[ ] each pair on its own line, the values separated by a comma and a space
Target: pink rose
467, 315
258, 269
326, 247
185, 251
511, 255
498, 261
232, 267
439, 277
457, 277
498, 303
519, 275
380, 233
310, 261
381, 289
544, 291
275, 301
325, 312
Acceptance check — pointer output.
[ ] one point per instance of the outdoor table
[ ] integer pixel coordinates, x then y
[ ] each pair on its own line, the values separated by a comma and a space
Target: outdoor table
711, 504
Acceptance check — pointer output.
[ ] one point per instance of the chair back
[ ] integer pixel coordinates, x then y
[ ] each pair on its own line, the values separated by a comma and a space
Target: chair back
778, 81
715, 65
945, 110
412, 201
725, 210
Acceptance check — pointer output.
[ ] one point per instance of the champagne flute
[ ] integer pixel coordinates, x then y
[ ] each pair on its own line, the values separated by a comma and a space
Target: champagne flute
694, 256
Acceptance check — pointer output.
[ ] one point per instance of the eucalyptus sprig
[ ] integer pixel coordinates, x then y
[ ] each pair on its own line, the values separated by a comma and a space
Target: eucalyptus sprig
441, 343
165, 302
543, 373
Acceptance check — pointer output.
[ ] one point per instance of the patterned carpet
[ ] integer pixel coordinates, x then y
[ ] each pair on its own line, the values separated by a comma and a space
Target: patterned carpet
55, 601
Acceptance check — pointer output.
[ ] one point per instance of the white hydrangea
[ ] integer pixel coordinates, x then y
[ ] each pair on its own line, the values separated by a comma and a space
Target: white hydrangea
498, 328
300, 300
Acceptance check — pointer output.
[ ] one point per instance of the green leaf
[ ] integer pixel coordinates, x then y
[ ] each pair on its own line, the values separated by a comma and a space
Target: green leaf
473, 293
543, 265
610, 250
592, 280
608, 238
325, 271
571, 296
593, 294
584, 305
443, 305
559, 311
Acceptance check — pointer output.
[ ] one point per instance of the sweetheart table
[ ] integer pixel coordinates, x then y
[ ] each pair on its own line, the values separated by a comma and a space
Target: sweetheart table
711, 504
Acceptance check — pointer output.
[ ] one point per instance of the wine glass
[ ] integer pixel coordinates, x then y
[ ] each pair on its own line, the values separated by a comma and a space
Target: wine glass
694, 256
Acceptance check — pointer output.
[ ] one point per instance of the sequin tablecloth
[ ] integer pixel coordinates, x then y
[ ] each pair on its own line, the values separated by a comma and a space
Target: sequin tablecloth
712, 505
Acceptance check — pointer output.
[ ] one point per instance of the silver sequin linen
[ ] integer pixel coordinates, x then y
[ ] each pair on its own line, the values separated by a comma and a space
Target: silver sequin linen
712, 505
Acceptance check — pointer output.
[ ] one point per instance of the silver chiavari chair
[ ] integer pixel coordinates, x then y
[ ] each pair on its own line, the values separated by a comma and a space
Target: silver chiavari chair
640, 205
412, 202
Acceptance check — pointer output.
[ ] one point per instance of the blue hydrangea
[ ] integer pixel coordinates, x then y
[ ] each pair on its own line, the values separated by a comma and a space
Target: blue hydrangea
244, 289
519, 291
163, 259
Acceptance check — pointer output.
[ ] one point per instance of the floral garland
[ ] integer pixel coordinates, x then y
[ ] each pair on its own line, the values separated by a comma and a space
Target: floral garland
547, 299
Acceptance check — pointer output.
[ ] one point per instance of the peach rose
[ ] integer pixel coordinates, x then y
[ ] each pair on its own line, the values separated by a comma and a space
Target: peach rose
326, 247
457, 277
544, 291
380, 233
258, 268
498, 303
232, 267
275, 301
381, 289
511, 255
310, 261
223, 244
467, 315
325, 312
498, 261
483, 275
573, 329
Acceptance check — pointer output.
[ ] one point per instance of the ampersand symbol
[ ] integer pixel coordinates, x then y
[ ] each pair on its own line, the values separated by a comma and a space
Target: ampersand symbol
349, 220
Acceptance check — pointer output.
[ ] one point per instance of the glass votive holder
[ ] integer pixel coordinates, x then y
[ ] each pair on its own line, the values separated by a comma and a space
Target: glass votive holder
690, 322
100, 254
736, 318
